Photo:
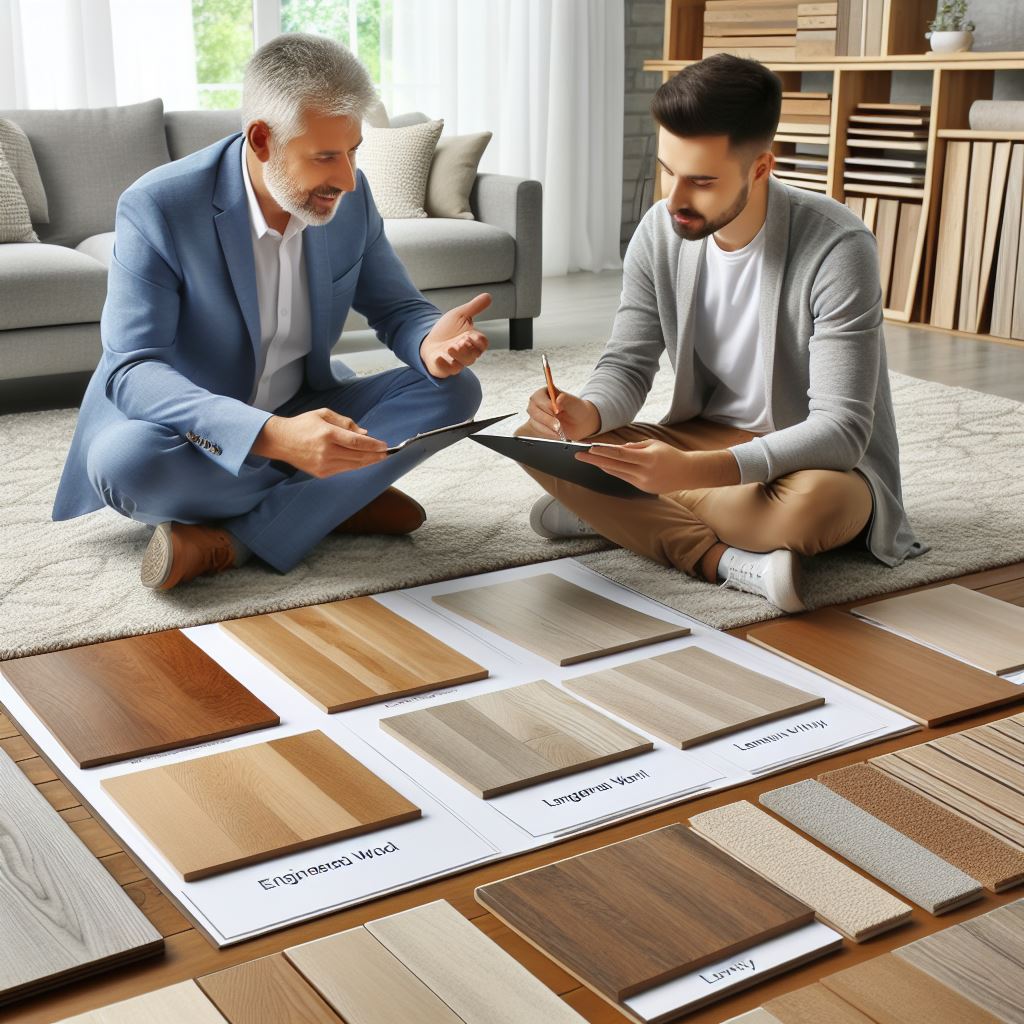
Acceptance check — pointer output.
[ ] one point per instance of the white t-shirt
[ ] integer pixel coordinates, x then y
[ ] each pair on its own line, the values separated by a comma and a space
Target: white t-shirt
727, 334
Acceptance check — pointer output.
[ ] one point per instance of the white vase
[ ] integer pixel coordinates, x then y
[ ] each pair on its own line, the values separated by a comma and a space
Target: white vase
951, 42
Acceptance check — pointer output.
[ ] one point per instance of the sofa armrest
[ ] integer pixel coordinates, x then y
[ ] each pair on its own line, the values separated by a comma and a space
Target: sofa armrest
515, 206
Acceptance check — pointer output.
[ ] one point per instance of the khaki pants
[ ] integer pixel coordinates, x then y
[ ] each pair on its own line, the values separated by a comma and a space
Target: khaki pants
808, 512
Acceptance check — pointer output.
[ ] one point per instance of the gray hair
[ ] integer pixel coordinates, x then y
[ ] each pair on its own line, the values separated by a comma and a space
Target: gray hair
296, 73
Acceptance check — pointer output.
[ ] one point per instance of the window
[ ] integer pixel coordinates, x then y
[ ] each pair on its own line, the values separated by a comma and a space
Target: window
224, 42
354, 23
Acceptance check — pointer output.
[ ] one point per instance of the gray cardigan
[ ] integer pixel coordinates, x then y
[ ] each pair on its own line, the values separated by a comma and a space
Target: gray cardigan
826, 380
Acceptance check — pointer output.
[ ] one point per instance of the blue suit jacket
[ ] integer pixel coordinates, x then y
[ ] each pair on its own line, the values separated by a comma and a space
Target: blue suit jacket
180, 326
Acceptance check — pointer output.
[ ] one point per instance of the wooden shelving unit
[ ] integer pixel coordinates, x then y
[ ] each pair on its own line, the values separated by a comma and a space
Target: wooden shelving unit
957, 80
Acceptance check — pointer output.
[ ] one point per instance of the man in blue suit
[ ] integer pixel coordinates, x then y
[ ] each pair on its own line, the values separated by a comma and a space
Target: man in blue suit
214, 413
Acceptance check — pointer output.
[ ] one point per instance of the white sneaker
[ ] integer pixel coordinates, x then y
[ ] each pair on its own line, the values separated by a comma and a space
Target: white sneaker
550, 519
775, 576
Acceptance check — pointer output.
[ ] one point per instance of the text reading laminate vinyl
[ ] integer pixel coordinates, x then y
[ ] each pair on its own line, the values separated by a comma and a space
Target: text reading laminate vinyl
62, 916
625, 917
505, 740
349, 653
927, 686
558, 620
222, 811
183, 1003
690, 696
117, 700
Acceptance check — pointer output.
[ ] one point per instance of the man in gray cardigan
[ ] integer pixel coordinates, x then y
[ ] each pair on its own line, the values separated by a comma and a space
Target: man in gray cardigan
780, 440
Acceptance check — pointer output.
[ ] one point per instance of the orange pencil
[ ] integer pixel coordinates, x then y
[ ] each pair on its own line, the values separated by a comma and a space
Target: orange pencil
552, 390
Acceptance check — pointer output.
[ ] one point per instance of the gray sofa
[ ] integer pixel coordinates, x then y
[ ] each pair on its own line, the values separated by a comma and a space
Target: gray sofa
51, 294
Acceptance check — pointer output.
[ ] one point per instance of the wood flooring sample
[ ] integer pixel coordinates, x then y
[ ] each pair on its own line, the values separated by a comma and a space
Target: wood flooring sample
238, 807
628, 916
690, 696
183, 1003
557, 619
118, 700
508, 739
62, 915
920, 683
349, 653
266, 991
970, 625
814, 1004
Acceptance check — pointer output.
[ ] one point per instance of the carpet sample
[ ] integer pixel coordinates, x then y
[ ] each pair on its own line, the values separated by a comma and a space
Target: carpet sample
839, 896
872, 845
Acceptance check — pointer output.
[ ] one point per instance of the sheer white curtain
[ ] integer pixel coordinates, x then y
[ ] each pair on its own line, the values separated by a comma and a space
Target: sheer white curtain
547, 77
96, 53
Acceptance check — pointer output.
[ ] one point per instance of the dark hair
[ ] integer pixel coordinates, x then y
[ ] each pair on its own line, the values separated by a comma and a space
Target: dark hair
721, 95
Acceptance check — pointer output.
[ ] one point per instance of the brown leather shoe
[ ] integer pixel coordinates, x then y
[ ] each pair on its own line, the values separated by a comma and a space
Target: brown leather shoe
178, 553
391, 512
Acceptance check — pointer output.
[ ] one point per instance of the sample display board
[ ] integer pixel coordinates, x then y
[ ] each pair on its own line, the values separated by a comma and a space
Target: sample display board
456, 826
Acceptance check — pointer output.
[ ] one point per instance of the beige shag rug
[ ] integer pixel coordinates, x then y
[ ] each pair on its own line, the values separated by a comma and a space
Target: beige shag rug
64, 584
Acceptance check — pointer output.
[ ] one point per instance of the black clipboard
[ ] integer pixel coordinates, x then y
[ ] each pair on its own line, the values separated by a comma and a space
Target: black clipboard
558, 459
430, 442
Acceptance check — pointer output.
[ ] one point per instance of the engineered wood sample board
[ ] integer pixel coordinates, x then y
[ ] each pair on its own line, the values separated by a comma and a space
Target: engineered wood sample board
183, 1003
557, 619
114, 701
951, 235
62, 915
349, 653
690, 696
498, 742
214, 813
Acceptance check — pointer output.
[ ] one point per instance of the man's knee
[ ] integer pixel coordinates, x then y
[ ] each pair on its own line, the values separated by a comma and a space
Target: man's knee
123, 463
462, 395
828, 510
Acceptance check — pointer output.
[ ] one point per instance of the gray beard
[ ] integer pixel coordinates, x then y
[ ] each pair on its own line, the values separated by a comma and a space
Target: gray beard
290, 198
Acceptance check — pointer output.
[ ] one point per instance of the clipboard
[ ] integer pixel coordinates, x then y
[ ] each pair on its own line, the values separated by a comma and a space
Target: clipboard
558, 458
430, 442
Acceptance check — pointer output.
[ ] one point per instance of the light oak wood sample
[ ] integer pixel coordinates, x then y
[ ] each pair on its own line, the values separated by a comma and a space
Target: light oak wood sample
266, 991
183, 1003
62, 915
905, 255
558, 620
814, 1004
985, 760
951, 235
974, 232
981, 630
505, 740
349, 653
1004, 289
885, 232
1006, 741
117, 700
628, 916
214, 813
690, 696
993, 219
927, 686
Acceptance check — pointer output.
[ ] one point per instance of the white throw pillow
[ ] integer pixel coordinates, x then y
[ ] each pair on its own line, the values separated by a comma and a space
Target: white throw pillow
18, 151
396, 162
15, 223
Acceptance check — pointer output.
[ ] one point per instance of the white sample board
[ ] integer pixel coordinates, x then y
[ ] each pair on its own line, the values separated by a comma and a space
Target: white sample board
458, 829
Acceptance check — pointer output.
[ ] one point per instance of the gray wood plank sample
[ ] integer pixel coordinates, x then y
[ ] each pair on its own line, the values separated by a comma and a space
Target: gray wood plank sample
62, 915
557, 619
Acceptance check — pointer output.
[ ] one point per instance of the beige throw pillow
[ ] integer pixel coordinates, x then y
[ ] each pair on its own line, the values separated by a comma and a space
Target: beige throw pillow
396, 162
15, 223
453, 173
18, 150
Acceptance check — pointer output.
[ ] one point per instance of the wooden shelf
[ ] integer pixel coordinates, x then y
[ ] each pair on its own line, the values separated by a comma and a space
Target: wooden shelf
972, 60
980, 135
869, 188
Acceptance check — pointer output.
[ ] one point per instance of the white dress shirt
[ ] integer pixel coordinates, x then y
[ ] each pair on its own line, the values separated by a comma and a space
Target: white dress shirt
282, 291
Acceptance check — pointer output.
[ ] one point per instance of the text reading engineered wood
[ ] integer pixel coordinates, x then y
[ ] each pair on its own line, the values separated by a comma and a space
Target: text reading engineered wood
117, 700
466, 970
862, 839
954, 838
183, 1003
979, 629
690, 696
814, 1004
505, 740
266, 991
1009, 240
226, 810
974, 232
62, 916
951, 235
349, 653
558, 620
927, 686
628, 916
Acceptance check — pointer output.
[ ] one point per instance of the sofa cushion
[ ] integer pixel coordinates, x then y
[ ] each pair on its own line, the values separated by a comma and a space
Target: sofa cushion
444, 253
188, 131
87, 158
15, 223
99, 247
44, 285
396, 162
18, 151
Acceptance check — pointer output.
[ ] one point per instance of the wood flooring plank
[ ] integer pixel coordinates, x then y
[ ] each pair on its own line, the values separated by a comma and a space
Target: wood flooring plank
17, 748
886, 223
1017, 323
918, 682
1011, 591
1004, 288
183, 1003
63, 916
36, 770
689, 696
161, 913
967, 624
7, 727
841, 898
814, 1004
1008, 742
210, 814
266, 991
974, 232
905, 256
117, 700
1003, 929
478, 980
951, 235
1003, 770
642, 911
498, 742
993, 219
557, 619
349, 653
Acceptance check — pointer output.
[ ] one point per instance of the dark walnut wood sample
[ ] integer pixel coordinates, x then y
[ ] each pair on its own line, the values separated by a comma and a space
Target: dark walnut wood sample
121, 699
629, 916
